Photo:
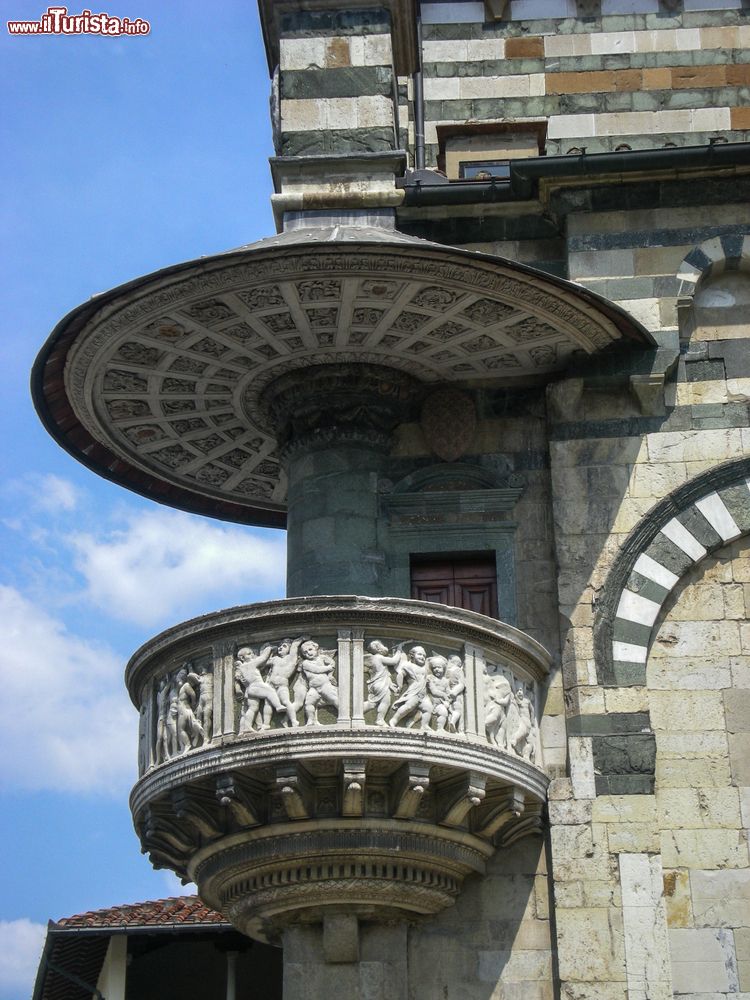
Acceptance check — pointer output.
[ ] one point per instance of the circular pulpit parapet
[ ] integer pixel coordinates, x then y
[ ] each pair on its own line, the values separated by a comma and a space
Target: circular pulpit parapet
159, 384
336, 754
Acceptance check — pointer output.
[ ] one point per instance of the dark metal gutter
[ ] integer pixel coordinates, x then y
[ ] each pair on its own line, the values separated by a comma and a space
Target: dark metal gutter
116, 930
524, 173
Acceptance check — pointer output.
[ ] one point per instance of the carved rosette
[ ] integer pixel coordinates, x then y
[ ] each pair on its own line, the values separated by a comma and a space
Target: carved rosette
346, 752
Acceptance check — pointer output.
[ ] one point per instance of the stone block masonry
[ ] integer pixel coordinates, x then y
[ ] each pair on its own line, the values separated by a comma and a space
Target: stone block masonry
616, 78
337, 89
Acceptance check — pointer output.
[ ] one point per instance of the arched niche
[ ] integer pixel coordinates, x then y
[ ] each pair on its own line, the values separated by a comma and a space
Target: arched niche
680, 532
714, 299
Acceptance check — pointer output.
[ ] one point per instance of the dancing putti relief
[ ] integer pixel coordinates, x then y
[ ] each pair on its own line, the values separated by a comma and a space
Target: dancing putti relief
346, 678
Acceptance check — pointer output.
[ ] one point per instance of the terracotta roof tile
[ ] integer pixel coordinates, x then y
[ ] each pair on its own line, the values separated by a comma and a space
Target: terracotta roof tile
153, 913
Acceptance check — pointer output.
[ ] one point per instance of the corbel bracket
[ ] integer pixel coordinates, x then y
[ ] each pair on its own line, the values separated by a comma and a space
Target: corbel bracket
353, 775
500, 811
456, 798
411, 783
240, 797
294, 785
197, 810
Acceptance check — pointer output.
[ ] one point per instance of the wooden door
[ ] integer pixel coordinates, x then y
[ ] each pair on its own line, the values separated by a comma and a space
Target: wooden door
460, 582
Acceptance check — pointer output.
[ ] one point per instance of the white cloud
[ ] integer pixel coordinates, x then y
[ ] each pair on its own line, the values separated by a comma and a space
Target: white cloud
67, 722
21, 944
163, 563
55, 494
47, 493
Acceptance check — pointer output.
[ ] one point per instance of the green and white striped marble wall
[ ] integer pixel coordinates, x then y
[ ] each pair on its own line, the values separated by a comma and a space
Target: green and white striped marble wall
643, 257
337, 89
640, 73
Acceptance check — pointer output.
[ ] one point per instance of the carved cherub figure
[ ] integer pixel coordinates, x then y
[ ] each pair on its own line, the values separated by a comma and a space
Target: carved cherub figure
455, 674
439, 693
251, 688
163, 750
497, 698
379, 683
317, 666
520, 741
172, 715
284, 663
413, 670
144, 749
203, 682
189, 730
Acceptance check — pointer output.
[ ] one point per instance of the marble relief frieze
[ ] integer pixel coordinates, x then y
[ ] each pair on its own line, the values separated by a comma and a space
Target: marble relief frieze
184, 711
285, 682
509, 713
349, 678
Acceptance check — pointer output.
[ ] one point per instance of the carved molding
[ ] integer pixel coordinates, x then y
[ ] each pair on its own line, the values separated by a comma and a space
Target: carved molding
298, 683
269, 841
337, 404
402, 688
325, 615
374, 868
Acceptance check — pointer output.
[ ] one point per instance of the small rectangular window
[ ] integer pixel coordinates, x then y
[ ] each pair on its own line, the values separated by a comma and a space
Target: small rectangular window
484, 170
485, 150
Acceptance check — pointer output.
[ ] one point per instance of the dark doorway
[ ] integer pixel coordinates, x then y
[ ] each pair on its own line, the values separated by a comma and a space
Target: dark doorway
461, 581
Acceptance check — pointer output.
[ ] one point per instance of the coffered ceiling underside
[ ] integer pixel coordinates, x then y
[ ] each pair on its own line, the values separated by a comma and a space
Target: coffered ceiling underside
168, 375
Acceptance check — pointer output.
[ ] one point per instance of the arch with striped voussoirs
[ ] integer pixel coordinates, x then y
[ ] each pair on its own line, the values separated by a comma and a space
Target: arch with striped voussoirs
695, 520
714, 287
710, 259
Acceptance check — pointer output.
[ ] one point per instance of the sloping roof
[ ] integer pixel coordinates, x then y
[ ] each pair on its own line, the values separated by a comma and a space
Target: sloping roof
75, 946
176, 910
70, 966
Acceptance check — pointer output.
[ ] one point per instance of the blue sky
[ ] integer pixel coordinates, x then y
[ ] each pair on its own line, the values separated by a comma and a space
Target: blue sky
120, 156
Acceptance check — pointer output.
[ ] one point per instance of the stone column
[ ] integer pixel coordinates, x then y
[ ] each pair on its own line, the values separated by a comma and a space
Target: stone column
346, 959
334, 424
113, 975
